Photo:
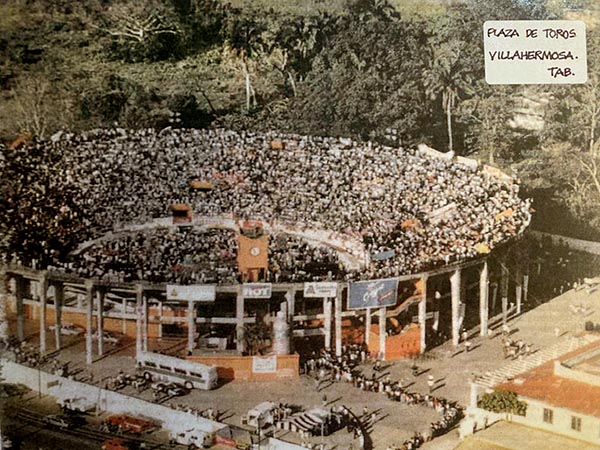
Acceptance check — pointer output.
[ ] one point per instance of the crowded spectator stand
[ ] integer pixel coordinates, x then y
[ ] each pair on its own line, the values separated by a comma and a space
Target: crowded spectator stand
407, 209
334, 209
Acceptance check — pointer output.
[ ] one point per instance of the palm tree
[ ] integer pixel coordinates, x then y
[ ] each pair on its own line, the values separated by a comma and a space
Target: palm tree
447, 77
246, 42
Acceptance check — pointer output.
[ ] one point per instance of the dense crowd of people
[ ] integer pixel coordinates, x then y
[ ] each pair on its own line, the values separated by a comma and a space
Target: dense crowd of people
191, 255
410, 210
173, 255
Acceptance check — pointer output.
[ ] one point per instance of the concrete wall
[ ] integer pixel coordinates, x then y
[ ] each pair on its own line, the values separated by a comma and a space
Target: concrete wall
111, 323
578, 375
240, 367
590, 426
276, 444
477, 419
398, 346
561, 424
113, 402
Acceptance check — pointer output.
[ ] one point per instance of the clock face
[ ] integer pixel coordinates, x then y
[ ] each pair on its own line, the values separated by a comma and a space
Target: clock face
255, 251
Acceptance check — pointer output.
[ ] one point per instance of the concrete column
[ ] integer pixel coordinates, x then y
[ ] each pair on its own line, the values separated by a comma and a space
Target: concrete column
145, 323
34, 295
518, 288
123, 319
160, 310
4, 289
423, 315
89, 309
484, 290
504, 291
139, 295
327, 307
382, 333
191, 315
338, 322
100, 326
239, 326
43, 296
59, 296
525, 287
473, 394
368, 326
455, 297
290, 298
20, 292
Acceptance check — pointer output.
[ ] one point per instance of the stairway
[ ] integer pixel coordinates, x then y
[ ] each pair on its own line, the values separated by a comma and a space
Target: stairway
518, 366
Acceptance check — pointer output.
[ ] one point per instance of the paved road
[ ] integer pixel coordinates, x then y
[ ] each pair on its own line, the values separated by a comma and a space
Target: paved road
22, 421
30, 436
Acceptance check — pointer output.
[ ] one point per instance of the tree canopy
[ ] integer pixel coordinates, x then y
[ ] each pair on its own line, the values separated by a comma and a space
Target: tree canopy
400, 71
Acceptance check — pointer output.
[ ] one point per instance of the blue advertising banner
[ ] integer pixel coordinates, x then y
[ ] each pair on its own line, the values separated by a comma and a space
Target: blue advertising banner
372, 294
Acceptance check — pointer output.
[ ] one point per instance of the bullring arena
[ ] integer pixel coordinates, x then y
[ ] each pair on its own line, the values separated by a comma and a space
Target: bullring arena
258, 252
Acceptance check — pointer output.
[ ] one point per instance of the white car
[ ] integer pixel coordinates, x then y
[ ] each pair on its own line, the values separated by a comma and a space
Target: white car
108, 337
69, 329
60, 421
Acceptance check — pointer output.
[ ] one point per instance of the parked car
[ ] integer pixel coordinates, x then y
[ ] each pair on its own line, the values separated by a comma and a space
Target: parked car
69, 329
159, 386
176, 390
108, 337
61, 421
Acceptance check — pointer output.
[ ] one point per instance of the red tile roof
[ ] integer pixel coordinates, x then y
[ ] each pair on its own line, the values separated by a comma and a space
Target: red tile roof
541, 384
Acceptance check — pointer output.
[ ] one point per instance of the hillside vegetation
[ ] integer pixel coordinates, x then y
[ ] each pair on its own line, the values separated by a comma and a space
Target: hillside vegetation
400, 72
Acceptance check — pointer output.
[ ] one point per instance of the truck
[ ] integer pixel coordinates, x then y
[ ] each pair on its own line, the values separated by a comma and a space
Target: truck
197, 438
124, 422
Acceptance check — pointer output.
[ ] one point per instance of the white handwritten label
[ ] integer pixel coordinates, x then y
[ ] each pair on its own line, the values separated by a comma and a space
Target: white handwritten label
535, 52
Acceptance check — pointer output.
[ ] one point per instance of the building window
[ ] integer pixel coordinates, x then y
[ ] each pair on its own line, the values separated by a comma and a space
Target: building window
548, 415
576, 423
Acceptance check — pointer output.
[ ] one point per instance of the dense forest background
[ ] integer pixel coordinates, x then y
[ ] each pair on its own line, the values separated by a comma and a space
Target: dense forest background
399, 72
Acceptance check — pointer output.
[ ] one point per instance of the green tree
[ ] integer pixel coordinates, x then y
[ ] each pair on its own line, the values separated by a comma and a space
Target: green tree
487, 116
568, 157
572, 175
509, 10
574, 115
454, 66
503, 402
244, 38
147, 30
365, 78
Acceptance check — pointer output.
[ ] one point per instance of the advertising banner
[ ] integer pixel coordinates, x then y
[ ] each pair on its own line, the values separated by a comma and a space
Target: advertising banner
320, 290
257, 290
193, 292
372, 294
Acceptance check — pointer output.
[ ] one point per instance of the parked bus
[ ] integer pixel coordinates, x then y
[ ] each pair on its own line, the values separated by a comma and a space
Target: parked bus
157, 367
